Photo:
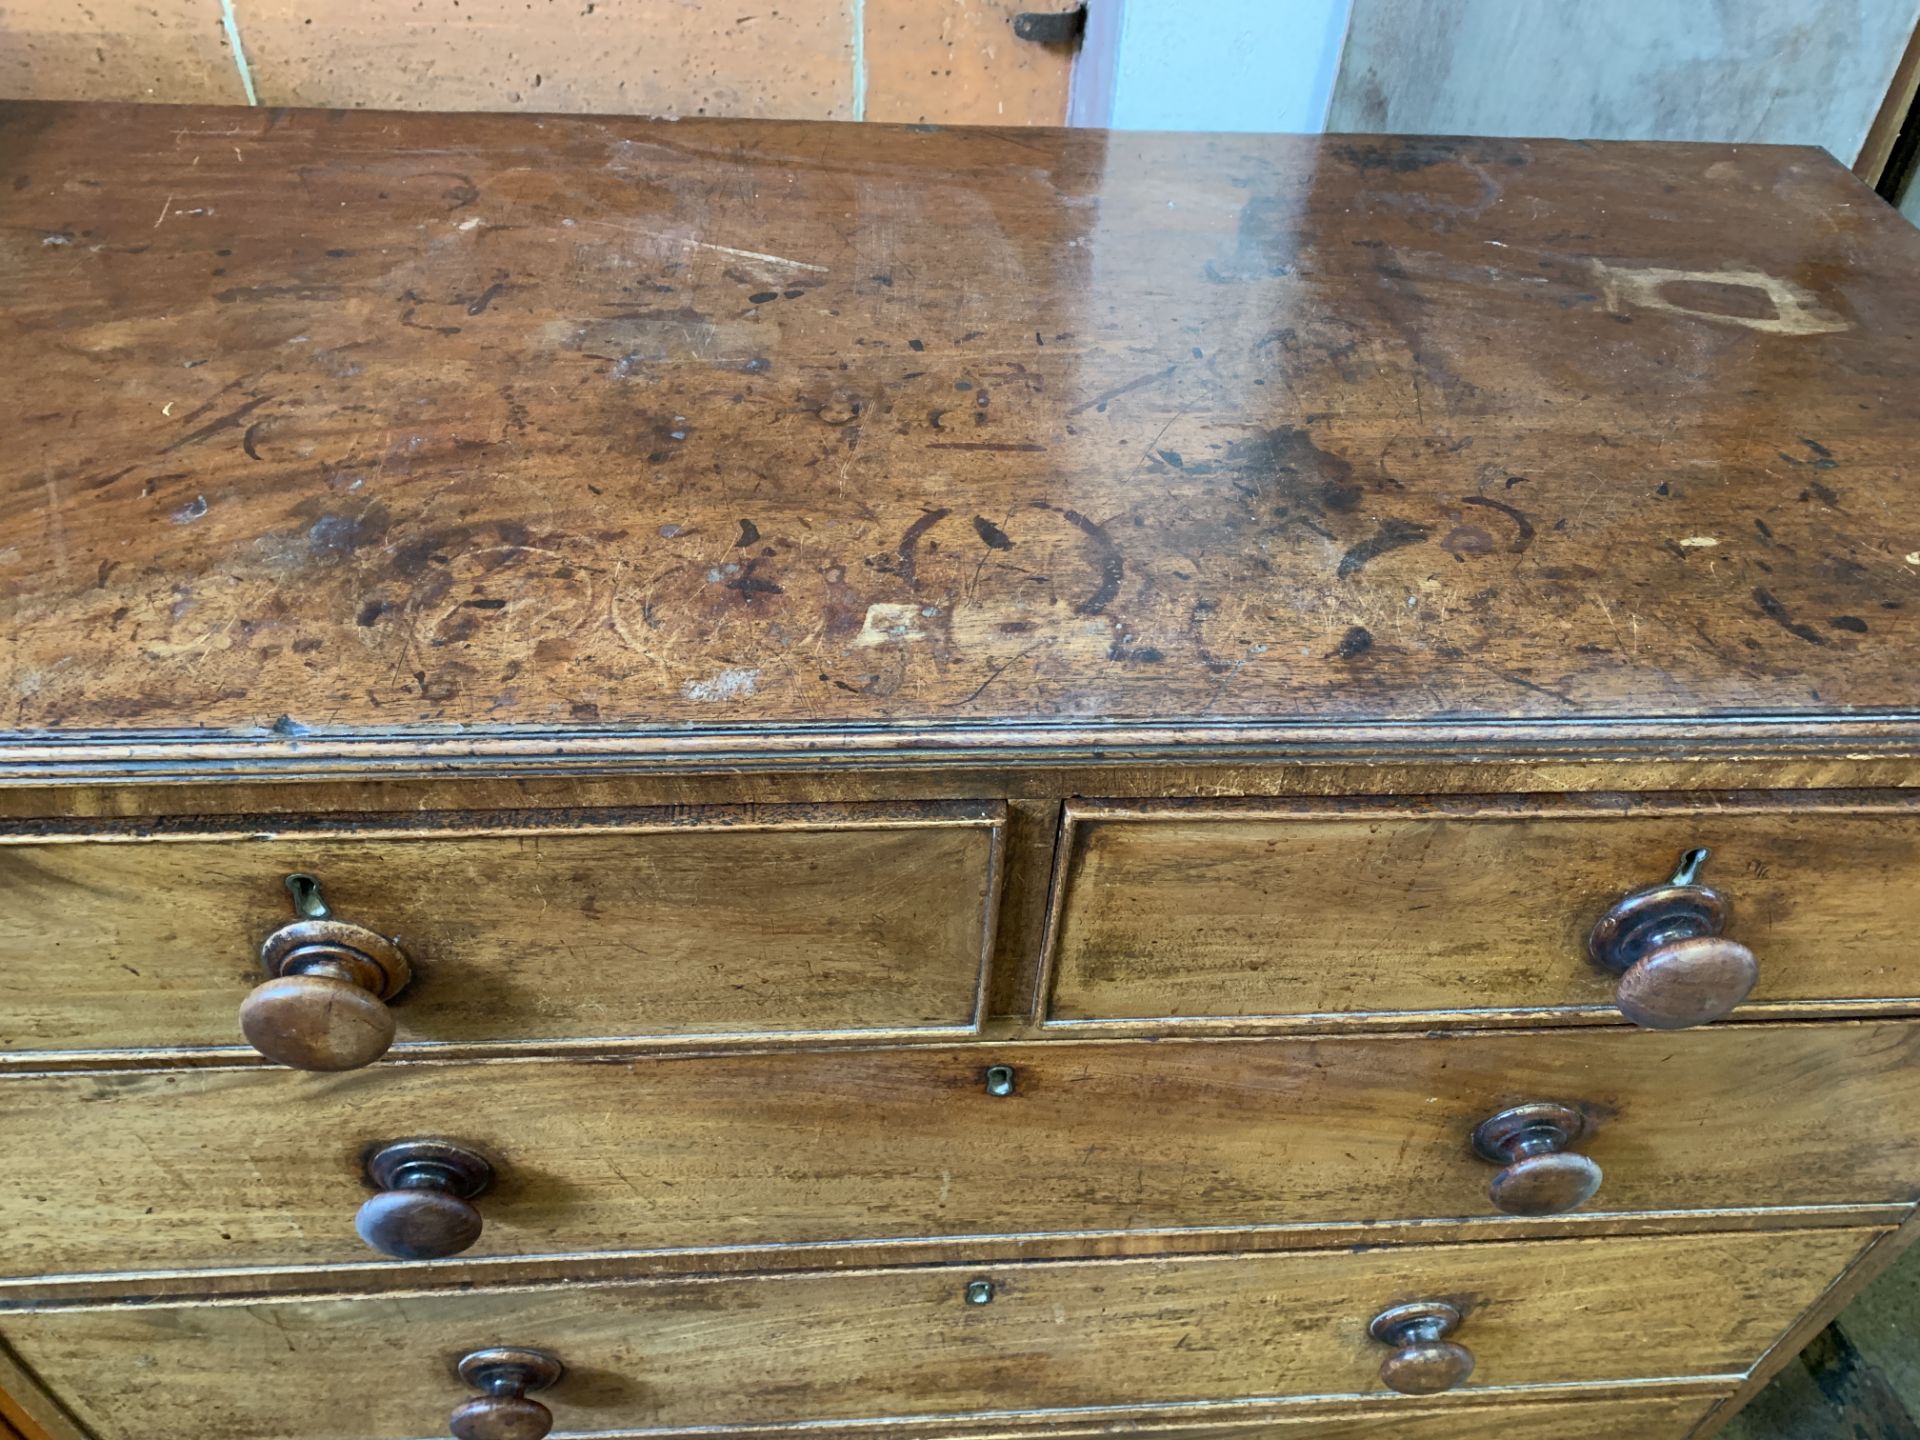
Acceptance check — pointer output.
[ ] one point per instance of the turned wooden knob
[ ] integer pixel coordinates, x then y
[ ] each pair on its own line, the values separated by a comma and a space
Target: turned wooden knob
324, 1005
424, 1210
1676, 966
1539, 1173
504, 1412
1424, 1361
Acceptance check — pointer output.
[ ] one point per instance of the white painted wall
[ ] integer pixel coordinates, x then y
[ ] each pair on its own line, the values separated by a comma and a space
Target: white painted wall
1216, 64
1799, 72
1784, 71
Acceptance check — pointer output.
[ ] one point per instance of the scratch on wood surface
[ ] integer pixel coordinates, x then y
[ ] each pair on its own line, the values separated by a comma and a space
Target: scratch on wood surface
1101, 400
56, 520
738, 254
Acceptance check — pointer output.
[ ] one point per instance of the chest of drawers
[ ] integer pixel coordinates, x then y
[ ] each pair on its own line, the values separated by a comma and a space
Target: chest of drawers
744, 779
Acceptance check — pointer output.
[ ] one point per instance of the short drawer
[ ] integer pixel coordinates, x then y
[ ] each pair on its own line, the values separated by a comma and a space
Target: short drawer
256, 1167
1177, 913
525, 927
1101, 1336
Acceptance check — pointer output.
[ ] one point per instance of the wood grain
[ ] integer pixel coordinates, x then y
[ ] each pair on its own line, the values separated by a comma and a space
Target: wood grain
1226, 758
905, 1342
1165, 1143
1884, 133
1249, 909
1880, 1254
621, 425
1033, 836
1602, 1416
558, 927
921, 480
28, 1408
1684, 774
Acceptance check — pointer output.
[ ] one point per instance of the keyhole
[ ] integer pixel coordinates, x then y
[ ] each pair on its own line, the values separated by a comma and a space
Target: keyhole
1690, 863
308, 902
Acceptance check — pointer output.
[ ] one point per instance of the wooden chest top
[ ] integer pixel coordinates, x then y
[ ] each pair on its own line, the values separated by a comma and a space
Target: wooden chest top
326, 427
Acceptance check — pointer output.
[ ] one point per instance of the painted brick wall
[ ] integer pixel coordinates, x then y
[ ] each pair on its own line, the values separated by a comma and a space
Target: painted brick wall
952, 61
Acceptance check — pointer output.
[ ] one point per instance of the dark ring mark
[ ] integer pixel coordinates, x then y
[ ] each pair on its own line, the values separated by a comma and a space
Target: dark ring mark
1113, 566
1393, 534
910, 541
1524, 525
232, 417
1781, 616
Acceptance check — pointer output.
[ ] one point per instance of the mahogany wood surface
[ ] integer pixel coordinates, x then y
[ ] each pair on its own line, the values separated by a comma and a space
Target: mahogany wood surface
521, 926
352, 422
1157, 1335
177, 1171
1196, 910
780, 620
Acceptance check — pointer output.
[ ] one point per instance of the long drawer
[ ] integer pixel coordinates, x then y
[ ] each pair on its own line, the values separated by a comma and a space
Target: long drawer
240, 1167
1605, 1414
1176, 912
919, 1342
542, 926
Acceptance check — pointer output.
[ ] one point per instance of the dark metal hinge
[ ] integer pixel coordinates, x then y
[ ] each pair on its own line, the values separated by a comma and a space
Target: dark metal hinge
1052, 27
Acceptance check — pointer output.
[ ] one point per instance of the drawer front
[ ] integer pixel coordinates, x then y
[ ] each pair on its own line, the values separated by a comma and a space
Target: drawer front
659, 924
1459, 908
244, 1167
906, 1342
1606, 1416
1609, 1418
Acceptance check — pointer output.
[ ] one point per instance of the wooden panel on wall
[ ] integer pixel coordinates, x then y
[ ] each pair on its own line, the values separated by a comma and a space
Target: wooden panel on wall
1781, 71
171, 50
958, 62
